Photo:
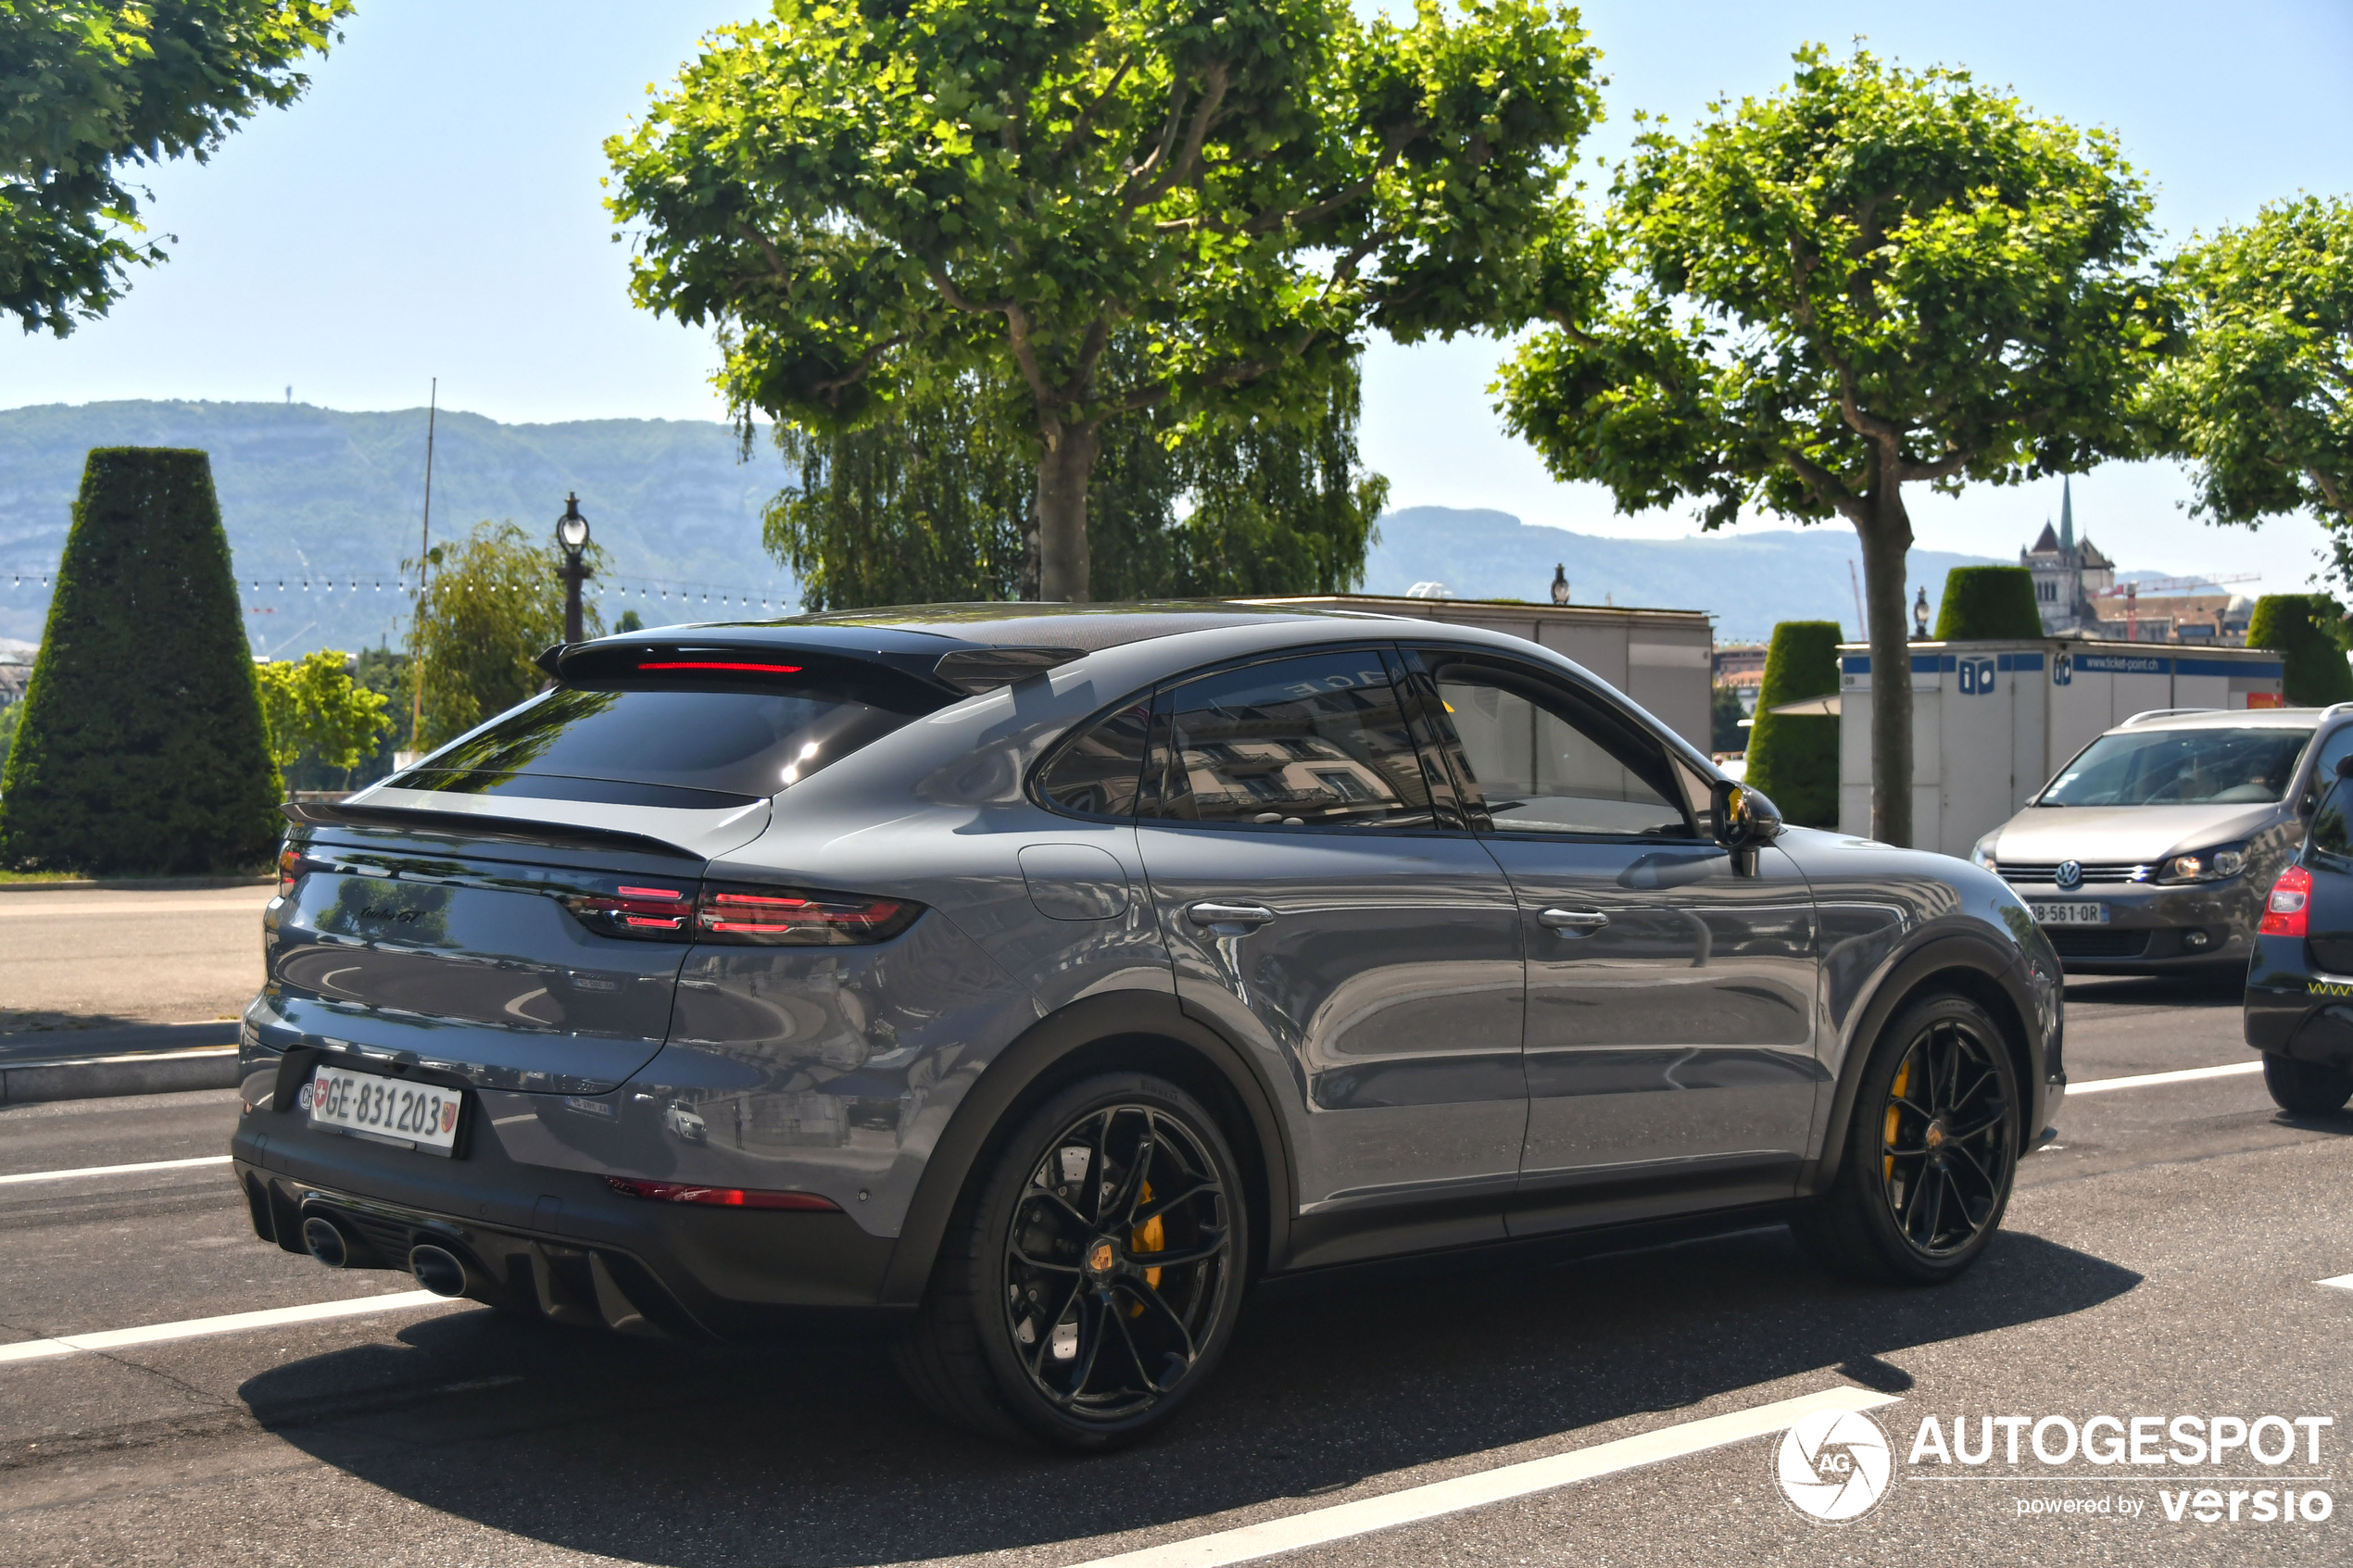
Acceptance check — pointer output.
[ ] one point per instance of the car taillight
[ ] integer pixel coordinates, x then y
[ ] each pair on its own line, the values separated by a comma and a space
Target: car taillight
291, 865
785, 917
2285, 911
632, 911
720, 1197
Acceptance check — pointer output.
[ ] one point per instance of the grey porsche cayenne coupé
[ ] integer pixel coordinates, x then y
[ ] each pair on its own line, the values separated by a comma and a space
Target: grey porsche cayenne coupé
1036, 978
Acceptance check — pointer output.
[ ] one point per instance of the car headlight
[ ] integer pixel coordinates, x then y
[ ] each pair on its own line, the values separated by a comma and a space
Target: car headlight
1981, 852
2203, 865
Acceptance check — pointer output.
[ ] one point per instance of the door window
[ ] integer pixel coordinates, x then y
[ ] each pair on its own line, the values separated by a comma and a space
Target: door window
1310, 741
1545, 759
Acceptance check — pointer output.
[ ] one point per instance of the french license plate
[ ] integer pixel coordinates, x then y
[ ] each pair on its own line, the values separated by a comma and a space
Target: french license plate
2049, 912
421, 1115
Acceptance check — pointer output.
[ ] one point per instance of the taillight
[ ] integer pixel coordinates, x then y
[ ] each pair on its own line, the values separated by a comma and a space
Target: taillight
291, 865
784, 917
639, 911
2285, 911
720, 1197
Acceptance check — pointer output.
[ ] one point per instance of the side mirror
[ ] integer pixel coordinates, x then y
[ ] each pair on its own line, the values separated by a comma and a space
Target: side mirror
1745, 819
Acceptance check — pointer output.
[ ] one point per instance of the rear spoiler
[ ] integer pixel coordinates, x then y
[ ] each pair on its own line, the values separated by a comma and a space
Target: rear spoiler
914, 658
498, 830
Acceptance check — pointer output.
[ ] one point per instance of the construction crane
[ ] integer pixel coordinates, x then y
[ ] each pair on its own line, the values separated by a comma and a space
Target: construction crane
2130, 593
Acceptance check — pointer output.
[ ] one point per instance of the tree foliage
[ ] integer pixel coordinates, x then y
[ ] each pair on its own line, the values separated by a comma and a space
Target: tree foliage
1988, 601
493, 606
1871, 279
928, 504
89, 88
876, 197
142, 746
2261, 396
314, 710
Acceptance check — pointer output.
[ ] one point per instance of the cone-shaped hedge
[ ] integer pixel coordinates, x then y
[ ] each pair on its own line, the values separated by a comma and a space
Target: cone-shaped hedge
1792, 758
1988, 601
2300, 628
141, 748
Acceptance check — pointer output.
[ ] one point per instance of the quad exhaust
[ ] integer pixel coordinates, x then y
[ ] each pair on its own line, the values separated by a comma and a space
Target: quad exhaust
324, 1240
438, 1270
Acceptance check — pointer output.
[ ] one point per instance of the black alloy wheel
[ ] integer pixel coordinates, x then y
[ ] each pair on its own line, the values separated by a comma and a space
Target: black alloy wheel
1119, 1258
1931, 1149
1091, 1277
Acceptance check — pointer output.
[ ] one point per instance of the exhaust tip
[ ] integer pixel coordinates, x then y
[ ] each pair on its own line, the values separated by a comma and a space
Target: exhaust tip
325, 1241
438, 1270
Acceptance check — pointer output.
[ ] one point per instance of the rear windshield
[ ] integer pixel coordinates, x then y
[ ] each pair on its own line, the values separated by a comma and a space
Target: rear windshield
702, 744
2181, 768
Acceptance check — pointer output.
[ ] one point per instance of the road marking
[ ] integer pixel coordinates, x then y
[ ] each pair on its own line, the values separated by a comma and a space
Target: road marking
1323, 1526
232, 1322
115, 1170
2343, 1282
2150, 1080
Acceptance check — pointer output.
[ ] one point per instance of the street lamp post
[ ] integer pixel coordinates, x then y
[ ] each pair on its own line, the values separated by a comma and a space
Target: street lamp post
572, 533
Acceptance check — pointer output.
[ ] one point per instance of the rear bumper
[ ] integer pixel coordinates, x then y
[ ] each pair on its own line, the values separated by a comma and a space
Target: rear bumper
562, 1242
2292, 1011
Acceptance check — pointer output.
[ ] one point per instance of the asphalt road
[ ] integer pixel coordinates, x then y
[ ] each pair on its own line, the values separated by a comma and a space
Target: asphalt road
2161, 1260
74, 958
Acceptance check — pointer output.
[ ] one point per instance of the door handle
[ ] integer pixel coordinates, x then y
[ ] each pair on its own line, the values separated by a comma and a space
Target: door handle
1572, 923
1216, 914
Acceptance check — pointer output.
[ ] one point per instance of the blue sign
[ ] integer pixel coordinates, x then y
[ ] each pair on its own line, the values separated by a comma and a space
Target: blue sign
2063, 669
1977, 676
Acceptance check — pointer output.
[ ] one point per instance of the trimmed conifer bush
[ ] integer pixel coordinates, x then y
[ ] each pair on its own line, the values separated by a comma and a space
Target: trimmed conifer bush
2301, 628
142, 746
1794, 758
1988, 601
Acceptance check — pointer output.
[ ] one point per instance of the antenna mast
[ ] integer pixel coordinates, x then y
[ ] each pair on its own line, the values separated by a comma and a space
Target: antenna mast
1862, 625
424, 566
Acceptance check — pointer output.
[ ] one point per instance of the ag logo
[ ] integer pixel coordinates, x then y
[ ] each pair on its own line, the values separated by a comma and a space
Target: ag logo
1834, 1466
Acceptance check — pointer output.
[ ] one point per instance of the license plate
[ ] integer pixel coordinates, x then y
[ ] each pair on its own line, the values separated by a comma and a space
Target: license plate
420, 1115
2046, 913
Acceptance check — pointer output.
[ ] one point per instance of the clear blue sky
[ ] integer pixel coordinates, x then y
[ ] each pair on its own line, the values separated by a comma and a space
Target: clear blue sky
431, 209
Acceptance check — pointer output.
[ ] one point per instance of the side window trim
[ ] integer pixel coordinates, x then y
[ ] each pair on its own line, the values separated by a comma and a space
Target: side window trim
1577, 692
1146, 786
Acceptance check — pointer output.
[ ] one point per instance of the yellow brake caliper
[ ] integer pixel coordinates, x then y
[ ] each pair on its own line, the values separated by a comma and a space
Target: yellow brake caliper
1149, 1236
1903, 1081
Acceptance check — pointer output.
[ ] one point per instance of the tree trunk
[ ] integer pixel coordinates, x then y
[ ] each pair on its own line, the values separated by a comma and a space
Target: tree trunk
1886, 541
1064, 468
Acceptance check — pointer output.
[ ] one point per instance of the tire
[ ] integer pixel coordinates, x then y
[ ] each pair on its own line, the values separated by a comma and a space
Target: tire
2306, 1088
1063, 1329
1927, 1172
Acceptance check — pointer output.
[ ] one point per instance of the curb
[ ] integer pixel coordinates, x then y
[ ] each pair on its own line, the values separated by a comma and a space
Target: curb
160, 1059
139, 883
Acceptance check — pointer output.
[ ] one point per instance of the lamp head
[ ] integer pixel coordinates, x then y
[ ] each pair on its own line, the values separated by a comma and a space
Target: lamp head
571, 529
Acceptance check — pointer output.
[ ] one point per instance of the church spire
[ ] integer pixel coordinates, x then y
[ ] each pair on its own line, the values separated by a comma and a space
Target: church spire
2066, 514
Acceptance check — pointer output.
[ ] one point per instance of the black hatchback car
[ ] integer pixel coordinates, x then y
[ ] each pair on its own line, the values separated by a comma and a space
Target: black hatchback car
1038, 977
2299, 980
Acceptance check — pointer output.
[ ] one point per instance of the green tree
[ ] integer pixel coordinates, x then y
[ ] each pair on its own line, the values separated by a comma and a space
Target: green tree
142, 746
495, 605
630, 622
1874, 278
2260, 399
1793, 757
9, 718
2307, 632
1988, 601
873, 197
927, 504
315, 711
91, 87
1725, 713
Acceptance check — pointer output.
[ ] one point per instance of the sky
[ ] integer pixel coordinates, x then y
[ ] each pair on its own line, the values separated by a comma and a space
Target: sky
431, 209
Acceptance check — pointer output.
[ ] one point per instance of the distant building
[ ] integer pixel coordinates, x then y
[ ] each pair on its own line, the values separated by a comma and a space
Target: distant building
1742, 667
2066, 574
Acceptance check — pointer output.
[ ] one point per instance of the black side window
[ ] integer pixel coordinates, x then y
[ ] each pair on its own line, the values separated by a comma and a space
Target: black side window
1542, 757
1098, 771
2329, 838
1316, 741
2336, 747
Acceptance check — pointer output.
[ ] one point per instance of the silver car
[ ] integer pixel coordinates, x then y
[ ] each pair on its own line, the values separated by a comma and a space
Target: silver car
1036, 978
2153, 850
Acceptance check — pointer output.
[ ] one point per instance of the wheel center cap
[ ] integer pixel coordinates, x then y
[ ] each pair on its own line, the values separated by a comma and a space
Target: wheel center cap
1101, 1257
1936, 1134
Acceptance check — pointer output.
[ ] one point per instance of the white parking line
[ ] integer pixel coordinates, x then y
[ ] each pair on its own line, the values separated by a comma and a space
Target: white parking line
2150, 1080
2343, 1282
115, 1170
232, 1322
1323, 1526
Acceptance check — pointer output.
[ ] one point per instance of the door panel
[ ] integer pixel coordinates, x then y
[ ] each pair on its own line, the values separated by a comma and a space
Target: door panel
1314, 911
